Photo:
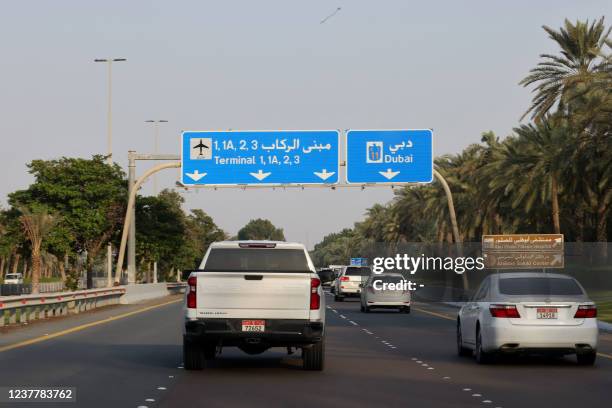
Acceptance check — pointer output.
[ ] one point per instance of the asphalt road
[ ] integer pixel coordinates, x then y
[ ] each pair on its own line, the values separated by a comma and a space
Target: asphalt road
380, 359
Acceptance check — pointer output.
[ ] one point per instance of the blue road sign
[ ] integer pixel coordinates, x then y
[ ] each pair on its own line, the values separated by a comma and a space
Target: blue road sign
359, 262
389, 156
259, 157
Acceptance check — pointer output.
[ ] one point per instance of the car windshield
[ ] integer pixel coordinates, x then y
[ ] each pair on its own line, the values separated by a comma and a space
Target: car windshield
539, 286
357, 271
256, 260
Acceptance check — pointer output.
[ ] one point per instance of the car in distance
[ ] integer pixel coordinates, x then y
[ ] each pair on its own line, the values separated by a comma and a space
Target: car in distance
528, 313
13, 279
254, 295
348, 282
385, 292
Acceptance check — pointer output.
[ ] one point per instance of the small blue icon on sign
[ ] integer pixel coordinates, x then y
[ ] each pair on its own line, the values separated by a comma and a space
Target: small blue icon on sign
389, 156
374, 152
259, 157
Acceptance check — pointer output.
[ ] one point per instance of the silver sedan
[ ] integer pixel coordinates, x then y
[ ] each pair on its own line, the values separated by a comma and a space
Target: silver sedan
388, 291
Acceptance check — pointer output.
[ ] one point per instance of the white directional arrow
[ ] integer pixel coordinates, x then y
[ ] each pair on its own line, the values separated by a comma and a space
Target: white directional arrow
389, 174
324, 175
260, 175
196, 175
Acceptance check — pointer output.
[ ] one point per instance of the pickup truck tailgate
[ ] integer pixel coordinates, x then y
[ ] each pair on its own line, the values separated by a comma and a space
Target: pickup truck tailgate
253, 295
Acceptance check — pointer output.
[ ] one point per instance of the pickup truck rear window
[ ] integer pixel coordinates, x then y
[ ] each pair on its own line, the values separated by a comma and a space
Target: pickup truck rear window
256, 260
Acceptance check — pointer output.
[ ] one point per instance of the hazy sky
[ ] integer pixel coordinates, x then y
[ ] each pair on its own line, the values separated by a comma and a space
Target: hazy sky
448, 65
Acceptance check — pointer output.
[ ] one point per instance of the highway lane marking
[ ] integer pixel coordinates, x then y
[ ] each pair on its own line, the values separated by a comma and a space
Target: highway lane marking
604, 355
83, 326
415, 359
434, 313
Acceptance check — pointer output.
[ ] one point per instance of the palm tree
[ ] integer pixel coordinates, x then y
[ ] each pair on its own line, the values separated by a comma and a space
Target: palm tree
36, 226
582, 66
529, 172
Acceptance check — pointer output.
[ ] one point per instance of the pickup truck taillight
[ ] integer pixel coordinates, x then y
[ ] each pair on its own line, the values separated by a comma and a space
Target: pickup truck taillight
315, 299
192, 284
586, 311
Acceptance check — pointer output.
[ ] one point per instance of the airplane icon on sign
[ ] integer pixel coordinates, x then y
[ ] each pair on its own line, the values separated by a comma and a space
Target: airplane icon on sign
201, 146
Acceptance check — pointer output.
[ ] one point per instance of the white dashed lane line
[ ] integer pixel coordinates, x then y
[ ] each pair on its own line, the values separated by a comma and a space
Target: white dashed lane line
415, 359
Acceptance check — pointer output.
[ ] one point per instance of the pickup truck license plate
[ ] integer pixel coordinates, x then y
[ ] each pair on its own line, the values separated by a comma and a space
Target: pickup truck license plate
546, 313
253, 325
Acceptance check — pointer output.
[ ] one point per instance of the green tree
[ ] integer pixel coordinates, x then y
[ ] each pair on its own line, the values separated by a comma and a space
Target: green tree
90, 195
261, 229
201, 232
582, 66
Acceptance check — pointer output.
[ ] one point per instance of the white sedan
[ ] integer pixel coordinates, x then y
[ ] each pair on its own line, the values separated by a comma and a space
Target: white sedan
528, 312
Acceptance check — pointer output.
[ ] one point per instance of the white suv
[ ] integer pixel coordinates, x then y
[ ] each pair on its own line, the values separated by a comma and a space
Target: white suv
254, 295
348, 284
13, 279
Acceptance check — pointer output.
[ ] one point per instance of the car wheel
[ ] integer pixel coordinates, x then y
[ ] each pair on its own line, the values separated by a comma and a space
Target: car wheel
193, 358
405, 309
314, 356
586, 359
461, 351
482, 357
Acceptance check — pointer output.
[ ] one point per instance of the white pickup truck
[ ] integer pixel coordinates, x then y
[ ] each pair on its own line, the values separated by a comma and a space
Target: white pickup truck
254, 296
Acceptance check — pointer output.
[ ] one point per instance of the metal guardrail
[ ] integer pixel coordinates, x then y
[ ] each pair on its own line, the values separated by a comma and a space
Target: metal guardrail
25, 308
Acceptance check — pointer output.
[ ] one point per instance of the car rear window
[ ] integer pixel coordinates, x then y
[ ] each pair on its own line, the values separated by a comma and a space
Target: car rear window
357, 271
256, 260
388, 279
539, 286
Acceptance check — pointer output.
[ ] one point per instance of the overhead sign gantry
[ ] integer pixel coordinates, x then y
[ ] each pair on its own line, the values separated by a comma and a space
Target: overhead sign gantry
289, 157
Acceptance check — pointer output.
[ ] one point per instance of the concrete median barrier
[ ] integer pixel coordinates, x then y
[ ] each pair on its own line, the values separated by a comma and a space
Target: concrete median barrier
141, 292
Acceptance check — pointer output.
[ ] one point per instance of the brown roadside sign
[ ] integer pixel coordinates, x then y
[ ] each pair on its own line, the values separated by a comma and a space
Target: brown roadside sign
523, 243
523, 260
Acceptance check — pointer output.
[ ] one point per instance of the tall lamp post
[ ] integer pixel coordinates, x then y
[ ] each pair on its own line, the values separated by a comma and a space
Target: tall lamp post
156, 145
109, 141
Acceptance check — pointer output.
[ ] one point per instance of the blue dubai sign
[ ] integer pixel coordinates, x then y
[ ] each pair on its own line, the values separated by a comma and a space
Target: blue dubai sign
389, 156
259, 157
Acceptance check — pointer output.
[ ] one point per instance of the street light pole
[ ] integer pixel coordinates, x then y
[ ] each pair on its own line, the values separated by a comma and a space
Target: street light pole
109, 145
156, 146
